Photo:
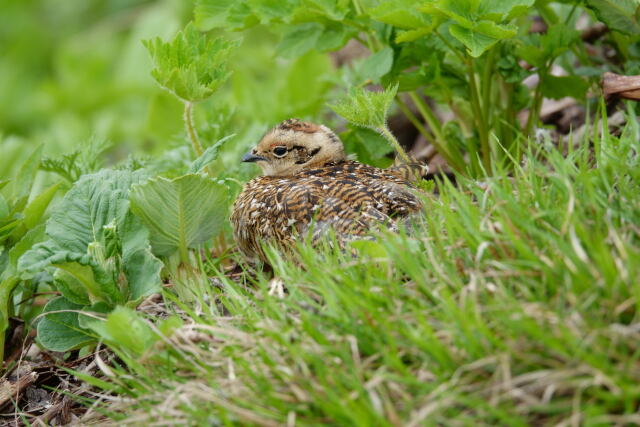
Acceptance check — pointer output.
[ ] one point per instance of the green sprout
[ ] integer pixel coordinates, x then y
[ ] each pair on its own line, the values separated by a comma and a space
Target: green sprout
369, 109
192, 67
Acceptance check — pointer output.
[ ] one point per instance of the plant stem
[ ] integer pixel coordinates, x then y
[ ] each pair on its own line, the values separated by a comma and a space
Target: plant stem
384, 130
6, 290
534, 112
487, 81
371, 38
414, 120
483, 132
439, 141
191, 130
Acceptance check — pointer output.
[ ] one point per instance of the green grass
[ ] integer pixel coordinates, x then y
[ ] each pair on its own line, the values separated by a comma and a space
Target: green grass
515, 303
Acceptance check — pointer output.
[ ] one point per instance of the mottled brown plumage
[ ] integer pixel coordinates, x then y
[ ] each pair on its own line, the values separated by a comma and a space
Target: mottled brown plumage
309, 185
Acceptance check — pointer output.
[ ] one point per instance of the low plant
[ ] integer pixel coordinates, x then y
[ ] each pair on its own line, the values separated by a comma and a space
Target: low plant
192, 67
22, 212
468, 57
515, 303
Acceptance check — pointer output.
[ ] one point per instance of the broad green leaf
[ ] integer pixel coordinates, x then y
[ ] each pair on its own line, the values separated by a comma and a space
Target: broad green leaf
335, 10
93, 202
89, 231
71, 287
299, 39
209, 155
481, 36
35, 209
180, 213
618, 15
62, 331
97, 283
559, 87
141, 267
333, 37
27, 241
538, 50
412, 35
366, 108
210, 14
503, 10
26, 175
400, 13
378, 64
126, 330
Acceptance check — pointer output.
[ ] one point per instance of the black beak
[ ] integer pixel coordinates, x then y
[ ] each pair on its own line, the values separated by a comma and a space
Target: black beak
250, 158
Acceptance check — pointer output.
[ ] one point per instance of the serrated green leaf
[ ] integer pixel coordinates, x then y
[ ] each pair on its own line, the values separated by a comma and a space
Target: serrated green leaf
299, 39
481, 36
366, 108
401, 13
191, 66
538, 50
618, 15
180, 213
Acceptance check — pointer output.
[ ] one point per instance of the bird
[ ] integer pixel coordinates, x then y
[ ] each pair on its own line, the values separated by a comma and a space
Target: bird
309, 187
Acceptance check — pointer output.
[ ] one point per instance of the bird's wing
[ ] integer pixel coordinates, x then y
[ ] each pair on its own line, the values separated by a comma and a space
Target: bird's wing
393, 198
313, 208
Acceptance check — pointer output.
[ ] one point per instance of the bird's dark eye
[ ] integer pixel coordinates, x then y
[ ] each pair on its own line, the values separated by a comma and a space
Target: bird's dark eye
280, 151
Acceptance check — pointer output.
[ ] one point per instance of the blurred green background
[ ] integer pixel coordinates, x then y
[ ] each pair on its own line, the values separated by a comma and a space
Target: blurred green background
76, 70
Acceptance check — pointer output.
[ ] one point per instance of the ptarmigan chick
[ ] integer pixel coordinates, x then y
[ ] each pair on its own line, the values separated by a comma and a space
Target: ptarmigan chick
308, 184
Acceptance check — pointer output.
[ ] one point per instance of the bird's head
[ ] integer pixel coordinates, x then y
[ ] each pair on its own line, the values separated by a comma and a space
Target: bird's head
295, 145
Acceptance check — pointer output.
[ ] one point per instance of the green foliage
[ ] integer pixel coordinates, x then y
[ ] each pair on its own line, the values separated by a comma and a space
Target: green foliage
181, 213
63, 328
21, 225
367, 108
79, 162
469, 56
126, 329
619, 15
191, 66
491, 297
99, 251
209, 155
477, 24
